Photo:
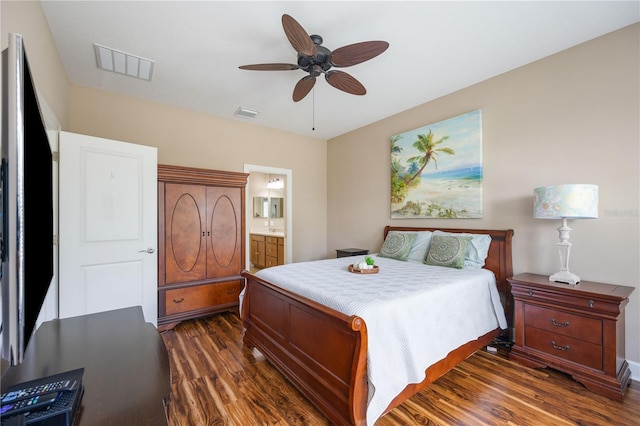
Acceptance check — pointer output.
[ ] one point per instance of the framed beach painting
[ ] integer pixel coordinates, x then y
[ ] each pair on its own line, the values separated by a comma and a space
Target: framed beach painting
436, 170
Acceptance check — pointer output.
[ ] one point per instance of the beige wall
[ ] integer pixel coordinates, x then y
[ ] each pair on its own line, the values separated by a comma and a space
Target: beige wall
570, 118
191, 139
26, 18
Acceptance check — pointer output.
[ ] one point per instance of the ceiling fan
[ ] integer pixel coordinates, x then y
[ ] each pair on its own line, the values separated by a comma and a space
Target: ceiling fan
316, 59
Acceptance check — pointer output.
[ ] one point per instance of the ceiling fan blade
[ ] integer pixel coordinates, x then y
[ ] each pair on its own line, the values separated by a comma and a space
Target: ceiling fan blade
270, 67
343, 81
356, 53
298, 37
303, 87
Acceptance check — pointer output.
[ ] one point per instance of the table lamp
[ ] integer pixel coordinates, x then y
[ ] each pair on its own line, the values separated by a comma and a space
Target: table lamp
573, 201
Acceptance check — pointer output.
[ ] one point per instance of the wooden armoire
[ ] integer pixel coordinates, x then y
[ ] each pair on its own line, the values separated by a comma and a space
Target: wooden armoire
201, 242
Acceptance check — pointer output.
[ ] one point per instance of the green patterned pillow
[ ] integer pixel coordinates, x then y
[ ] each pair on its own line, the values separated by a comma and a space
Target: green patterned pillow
397, 245
447, 250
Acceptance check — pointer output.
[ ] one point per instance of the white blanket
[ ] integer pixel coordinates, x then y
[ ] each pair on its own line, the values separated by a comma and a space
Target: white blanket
415, 313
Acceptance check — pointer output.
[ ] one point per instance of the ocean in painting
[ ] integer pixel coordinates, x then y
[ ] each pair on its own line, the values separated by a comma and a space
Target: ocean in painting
441, 193
467, 173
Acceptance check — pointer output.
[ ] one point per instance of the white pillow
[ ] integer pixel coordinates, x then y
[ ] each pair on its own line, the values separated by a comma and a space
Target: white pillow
478, 248
420, 246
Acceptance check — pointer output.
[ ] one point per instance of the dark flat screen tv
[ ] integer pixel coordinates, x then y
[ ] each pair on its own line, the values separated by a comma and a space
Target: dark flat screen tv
26, 192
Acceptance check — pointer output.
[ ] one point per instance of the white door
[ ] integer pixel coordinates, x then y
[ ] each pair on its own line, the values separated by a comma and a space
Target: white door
108, 226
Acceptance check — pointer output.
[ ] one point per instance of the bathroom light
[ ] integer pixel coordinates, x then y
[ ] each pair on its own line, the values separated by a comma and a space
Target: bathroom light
275, 184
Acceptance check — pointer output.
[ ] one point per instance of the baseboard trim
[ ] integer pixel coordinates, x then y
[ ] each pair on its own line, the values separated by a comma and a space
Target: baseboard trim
635, 370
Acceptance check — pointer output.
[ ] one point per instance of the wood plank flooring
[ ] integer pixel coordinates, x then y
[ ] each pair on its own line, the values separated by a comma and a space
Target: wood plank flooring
218, 381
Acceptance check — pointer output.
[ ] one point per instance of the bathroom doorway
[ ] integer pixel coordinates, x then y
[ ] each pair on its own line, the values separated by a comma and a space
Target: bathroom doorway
259, 177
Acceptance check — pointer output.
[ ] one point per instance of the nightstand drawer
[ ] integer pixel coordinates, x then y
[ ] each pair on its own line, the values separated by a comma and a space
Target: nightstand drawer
563, 323
564, 347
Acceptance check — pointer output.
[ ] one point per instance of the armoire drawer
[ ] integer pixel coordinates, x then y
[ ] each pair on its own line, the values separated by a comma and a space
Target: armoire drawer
578, 351
201, 297
564, 323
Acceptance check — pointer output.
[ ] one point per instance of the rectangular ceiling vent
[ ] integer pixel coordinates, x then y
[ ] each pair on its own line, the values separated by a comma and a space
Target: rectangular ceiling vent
245, 113
123, 63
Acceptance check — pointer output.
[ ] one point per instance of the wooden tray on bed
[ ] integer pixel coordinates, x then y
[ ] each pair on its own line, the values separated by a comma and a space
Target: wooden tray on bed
375, 270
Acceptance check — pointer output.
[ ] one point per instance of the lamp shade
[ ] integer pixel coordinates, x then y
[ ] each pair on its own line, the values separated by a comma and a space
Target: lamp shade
578, 201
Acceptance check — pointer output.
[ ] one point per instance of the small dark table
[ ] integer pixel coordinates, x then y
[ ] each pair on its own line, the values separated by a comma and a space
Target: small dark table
346, 252
126, 365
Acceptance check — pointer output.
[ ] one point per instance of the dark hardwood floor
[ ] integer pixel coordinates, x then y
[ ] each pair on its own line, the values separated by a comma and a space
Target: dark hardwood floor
218, 381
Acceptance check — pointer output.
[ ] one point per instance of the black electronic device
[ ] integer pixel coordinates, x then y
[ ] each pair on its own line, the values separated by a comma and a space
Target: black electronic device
28, 405
66, 384
50, 401
26, 205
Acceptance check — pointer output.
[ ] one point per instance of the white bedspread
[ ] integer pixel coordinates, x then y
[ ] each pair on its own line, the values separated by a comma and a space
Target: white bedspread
415, 313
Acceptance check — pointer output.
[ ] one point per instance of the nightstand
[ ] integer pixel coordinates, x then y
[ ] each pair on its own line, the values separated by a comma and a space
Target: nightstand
575, 329
351, 252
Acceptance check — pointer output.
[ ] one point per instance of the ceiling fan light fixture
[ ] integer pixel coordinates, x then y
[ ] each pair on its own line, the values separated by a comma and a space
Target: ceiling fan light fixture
246, 113
113, 60
316, 59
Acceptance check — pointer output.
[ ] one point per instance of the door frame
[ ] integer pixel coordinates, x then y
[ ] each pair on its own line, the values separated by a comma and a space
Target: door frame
288, 240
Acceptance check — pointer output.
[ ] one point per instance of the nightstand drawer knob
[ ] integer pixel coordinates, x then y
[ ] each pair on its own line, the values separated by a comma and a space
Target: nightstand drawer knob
530, 292
560, 348
591, 303
559, 324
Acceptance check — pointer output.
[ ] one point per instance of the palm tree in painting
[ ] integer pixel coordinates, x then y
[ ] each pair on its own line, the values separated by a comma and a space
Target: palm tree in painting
428, 152
413, 168
398, 185
396, 167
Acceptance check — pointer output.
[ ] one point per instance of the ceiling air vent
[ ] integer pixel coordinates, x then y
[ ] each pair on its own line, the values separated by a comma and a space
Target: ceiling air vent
245, 113
123, 63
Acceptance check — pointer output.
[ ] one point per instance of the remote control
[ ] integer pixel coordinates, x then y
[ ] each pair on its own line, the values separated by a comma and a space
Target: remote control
38, 402
30, 392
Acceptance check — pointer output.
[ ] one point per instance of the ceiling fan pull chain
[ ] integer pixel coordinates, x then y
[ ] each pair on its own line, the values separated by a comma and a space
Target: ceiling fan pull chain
314, 111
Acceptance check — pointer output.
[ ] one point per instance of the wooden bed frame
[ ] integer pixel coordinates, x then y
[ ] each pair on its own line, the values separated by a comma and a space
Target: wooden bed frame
323, 352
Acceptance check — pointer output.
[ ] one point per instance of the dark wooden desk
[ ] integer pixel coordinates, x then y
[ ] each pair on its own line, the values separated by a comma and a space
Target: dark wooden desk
126, 366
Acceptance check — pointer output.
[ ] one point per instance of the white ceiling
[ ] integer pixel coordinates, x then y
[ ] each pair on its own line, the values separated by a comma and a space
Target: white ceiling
436, 48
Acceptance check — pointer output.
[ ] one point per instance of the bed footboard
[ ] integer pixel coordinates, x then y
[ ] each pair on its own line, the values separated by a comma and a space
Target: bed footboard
321, 351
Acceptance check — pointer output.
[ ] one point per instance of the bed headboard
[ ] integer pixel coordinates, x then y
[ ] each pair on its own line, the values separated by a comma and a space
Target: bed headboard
498, 260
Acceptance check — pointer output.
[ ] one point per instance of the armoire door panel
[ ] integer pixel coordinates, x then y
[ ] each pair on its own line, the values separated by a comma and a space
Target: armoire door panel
185, 209
224, 221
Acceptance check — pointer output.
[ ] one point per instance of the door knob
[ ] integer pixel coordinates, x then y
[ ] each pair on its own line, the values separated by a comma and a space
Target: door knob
150, 250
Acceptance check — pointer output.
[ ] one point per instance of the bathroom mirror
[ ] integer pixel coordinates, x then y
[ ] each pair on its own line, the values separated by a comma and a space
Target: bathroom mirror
264, 207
